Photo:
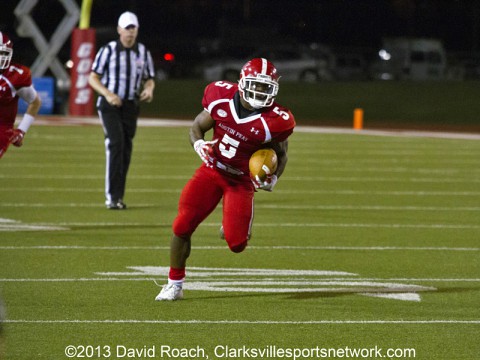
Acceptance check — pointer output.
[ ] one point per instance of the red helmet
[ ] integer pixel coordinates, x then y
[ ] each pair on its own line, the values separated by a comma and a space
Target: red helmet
6, 51
258, 83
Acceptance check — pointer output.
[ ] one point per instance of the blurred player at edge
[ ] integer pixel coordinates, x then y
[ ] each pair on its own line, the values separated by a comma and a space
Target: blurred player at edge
15, 83
244, 118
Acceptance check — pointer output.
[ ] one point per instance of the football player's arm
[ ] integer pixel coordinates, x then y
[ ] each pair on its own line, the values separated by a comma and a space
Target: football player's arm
202, 123
30, 96
281, 148
96, 84
34, 107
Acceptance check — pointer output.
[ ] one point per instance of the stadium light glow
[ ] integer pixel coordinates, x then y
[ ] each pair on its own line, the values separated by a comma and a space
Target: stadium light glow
384, 55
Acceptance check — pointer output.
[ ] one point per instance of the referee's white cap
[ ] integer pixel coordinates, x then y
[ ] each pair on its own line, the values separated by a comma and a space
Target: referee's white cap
126, 19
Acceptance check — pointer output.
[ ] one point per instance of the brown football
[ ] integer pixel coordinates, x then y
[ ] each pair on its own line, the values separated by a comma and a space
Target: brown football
262, 163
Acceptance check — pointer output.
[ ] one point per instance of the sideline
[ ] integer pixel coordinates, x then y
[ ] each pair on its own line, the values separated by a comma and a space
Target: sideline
154, 122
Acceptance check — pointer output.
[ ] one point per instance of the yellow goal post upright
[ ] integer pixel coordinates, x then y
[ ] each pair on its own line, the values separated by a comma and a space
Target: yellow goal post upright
82, 55
85, 14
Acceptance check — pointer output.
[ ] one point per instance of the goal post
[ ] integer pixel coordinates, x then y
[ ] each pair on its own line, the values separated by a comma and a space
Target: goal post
82, 55
85, 14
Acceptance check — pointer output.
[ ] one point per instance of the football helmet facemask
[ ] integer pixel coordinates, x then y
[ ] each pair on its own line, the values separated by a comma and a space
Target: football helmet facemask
6, 51
258, 83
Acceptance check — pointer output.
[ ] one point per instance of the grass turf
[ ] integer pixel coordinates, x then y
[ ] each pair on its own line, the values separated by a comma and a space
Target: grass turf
379, 210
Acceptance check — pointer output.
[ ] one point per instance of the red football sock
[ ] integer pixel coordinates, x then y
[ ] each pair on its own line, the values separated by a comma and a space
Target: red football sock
176, 274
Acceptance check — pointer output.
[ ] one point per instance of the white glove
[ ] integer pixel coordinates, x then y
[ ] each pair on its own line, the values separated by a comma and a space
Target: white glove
266, 185
202, 148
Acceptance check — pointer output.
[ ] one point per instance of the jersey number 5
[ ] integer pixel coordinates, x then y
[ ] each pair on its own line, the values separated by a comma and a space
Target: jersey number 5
228, 146
282, 113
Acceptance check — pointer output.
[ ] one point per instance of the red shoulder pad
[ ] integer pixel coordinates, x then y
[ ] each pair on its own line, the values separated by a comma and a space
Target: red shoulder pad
280, 122
217, 91
19, 75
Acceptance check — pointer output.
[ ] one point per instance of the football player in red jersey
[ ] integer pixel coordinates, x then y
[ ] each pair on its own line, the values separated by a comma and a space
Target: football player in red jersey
244, 118
15, 83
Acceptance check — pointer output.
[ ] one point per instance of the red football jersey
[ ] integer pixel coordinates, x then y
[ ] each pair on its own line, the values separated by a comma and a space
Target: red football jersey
13, 78
238, 138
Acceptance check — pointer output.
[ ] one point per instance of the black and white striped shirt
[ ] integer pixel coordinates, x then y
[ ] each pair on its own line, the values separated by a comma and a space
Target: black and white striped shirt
122, 70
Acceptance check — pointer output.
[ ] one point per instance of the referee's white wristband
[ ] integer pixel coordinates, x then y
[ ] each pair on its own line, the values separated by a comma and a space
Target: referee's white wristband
26, 122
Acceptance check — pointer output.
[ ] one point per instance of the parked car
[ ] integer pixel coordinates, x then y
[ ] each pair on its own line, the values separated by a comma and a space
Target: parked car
350, 67
410, 59
293, 64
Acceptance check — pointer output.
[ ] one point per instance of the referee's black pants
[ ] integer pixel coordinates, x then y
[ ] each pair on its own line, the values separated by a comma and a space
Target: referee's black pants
119, 126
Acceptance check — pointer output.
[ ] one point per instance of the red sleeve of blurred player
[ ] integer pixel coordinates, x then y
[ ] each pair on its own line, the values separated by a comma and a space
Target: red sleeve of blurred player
13, 78
20, 75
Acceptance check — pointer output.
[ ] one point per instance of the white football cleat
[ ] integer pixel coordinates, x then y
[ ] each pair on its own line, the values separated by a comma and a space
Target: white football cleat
170, 292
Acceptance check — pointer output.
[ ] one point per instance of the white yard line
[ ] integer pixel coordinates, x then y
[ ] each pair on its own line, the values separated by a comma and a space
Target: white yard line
294, 192
59, 225
245, 322
85, 190
270, 206
368, 207
152, 277
382, 193
252, 247
401, 133
314, 179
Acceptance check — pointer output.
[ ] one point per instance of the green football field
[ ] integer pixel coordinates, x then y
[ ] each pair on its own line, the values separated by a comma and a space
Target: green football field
369, 247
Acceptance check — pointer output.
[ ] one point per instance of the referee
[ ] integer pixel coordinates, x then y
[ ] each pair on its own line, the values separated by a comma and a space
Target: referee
122, 74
